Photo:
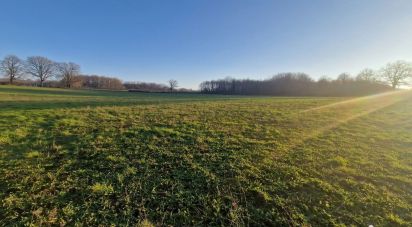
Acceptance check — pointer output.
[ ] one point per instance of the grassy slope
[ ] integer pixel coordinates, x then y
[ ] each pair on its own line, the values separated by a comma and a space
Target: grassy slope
118, 158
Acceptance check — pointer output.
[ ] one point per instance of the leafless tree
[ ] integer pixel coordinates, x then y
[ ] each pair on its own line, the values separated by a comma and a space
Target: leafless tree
68, 72
367, 75
397, 73
172, 84
12, 67
40, 67
344, 77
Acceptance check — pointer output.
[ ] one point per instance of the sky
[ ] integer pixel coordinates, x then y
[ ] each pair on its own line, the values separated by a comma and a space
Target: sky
196, 40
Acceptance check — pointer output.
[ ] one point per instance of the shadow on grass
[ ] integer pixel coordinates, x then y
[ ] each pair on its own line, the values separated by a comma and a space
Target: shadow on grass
161, 170
50, 91
49, 105
107, 93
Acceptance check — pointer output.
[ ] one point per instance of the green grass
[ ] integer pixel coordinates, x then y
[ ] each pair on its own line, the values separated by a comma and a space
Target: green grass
77, 157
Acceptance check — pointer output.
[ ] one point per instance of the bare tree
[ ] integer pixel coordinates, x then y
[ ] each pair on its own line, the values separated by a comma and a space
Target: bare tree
367, 75
12, 67
40, 67
68, 72
172, 84
397, 73
344, 77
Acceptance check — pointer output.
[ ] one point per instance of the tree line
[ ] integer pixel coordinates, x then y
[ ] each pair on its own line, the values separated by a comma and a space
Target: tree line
367, 82
43, 72
172, 86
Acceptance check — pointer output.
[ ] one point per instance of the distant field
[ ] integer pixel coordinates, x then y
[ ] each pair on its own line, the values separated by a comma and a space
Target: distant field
83, 157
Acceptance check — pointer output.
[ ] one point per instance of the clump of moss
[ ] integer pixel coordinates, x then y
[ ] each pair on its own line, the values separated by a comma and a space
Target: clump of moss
101, 188
145, 223
33, 154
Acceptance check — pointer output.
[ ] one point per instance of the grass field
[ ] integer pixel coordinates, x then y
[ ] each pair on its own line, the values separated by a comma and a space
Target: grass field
82, 157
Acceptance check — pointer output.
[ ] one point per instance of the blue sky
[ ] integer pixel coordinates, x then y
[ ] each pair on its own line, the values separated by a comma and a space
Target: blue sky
196, 40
